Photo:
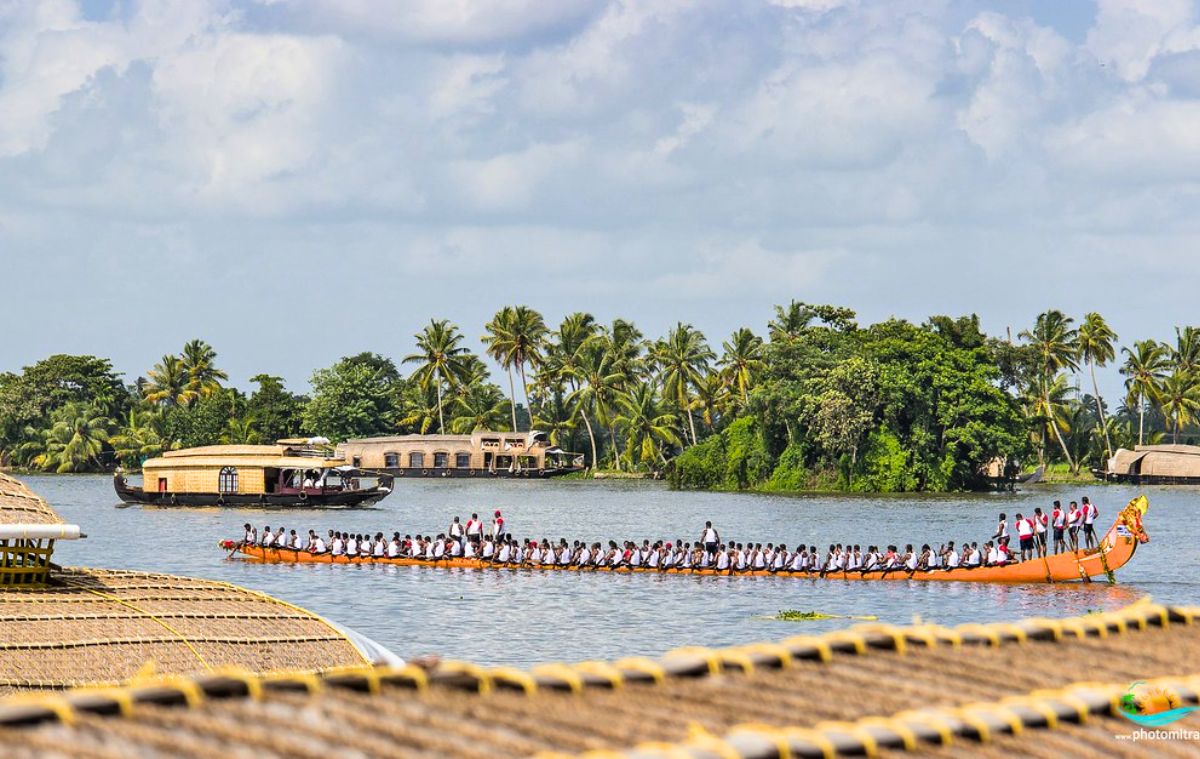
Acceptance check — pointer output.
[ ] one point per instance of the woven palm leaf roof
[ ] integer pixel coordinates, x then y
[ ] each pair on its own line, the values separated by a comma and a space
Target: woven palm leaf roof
96, 626
20, 505
977, 690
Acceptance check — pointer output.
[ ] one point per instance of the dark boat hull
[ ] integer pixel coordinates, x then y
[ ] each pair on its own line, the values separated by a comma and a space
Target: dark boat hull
344, 499
477, 474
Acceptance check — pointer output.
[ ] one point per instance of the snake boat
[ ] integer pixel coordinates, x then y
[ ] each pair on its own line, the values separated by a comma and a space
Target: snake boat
1115, 550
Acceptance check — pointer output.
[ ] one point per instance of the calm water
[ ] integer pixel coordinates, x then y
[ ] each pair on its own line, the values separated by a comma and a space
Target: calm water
527, 617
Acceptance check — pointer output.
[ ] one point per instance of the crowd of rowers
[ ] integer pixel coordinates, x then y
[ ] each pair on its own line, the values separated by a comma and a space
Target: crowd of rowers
495, 545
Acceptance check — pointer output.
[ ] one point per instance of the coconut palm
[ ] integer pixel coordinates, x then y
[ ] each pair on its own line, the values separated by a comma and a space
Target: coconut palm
1055, 342
167, 383
1144, 368
139, 437
742, 361
1095, 340
480, 407
242, 431
199, 365
789, 321
514, 338
1049, 409
682, 357
1186, 353
713, 398
598, 387
562, 350
73, 442
647, 427
624, 343
421, 410
1179, 401
441, 358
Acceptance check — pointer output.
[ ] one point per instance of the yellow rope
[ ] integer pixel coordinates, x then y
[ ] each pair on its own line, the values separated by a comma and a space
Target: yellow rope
161, 622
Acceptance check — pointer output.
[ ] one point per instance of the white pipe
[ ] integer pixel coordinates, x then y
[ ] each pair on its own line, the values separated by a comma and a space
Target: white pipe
40, 532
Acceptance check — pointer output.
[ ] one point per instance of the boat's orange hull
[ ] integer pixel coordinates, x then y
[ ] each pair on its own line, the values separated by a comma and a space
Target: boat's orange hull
1116, 548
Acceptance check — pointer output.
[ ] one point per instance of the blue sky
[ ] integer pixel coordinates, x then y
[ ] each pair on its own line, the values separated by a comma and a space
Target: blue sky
296, 181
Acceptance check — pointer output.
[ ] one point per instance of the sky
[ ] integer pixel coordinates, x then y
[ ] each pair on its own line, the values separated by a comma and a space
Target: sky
295, 181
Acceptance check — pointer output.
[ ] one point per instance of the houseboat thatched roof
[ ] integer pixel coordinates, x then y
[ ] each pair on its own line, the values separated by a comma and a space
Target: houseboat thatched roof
1167, 462
994, 690
20, 505
66, 627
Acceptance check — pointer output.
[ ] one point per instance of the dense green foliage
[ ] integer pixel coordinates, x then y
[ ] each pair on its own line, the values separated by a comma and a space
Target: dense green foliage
819, 403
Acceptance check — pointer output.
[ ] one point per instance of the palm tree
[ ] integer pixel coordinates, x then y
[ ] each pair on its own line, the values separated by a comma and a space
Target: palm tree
1055, 342
742, 361
1144, 369
598, 389
480, 407
441, 359
167, 383
646, 425
682, 357
199, 365
242, 430
1179, 400
562, 351
1096, 349
515, 336
1186, 353
713, 398
421, 413
139, 437
1049, 408
789, 321
624, 344
73, 442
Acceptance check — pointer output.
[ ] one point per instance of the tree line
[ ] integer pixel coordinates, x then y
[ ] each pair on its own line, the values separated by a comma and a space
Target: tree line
817, 402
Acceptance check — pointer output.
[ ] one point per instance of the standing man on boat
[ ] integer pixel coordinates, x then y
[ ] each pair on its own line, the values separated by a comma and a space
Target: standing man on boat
710, 538
498, 526
474, 529
1058, 520
1089, 512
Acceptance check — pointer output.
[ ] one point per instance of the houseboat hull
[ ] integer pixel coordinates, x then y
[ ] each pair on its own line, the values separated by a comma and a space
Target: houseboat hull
342, 499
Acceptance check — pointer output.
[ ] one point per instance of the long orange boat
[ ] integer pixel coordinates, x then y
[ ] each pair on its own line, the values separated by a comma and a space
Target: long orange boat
1116, 548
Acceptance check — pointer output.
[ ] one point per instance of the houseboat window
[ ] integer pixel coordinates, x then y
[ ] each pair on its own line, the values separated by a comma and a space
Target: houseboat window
391, 460
462, 460
441, 460
529, 462
356, 462
227, 480
416, 460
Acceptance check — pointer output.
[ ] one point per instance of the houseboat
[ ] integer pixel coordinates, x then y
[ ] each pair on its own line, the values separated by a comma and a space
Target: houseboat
480, 454
290, 473
1153, 465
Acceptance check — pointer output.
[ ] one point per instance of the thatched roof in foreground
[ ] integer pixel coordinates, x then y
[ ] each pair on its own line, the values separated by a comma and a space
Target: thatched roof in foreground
96, 626
973, 685
20, 505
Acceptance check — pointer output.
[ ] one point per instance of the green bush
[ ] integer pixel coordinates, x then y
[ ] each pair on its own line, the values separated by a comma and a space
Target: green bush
884, 466
790, 474
734, 459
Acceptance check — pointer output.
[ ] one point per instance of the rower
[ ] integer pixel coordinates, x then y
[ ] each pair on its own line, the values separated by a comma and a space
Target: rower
250, 537
1090, 512
293, 540
951, 556
338, 546
280, 540
265, 538
724, 557
488, 551
394, 546
316, 545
